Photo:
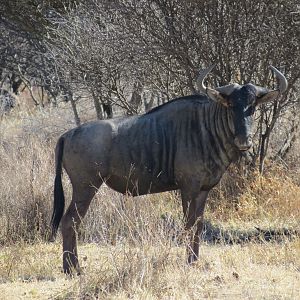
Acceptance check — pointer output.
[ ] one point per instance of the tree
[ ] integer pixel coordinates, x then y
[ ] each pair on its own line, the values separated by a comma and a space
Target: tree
117, 52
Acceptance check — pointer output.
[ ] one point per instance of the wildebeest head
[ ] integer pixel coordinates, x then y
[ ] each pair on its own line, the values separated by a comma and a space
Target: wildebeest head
242, 100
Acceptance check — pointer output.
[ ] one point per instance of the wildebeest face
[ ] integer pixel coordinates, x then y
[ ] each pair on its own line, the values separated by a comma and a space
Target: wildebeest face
242, 105
241, 101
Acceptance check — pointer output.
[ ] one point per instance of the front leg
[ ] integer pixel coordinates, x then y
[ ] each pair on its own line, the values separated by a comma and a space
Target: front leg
193, 209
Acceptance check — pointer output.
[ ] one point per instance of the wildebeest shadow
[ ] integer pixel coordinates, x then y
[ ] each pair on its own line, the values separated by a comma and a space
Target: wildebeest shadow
217, 234
214, 234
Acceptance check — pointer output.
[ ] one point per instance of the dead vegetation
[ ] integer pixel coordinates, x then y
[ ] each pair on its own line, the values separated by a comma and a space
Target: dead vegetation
135, 247
83, 56
252, 271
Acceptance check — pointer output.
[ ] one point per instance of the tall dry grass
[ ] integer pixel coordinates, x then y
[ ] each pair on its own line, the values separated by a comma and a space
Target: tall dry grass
273, 196
27, 172
26, 181
135, 247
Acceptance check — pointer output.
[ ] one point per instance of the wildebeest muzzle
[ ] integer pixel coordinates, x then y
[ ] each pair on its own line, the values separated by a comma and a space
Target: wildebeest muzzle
244, 143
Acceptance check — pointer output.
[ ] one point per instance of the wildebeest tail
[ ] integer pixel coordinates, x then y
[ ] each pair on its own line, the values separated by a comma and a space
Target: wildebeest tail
59, 198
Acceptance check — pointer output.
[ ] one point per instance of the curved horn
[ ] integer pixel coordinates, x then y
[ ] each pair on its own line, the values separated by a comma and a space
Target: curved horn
264, 95
260, 91
283, 84
201, 77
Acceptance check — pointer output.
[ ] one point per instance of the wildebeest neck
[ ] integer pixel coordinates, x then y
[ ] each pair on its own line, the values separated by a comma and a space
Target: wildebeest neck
206, 132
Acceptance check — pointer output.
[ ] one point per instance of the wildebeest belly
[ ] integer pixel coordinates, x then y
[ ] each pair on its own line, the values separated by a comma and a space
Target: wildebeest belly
138, 185
140, 172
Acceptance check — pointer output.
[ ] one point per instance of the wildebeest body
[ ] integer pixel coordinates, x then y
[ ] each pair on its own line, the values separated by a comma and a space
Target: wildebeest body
185, 144
186, 140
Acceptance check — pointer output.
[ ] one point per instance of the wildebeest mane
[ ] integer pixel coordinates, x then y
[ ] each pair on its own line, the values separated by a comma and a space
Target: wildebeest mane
190, 97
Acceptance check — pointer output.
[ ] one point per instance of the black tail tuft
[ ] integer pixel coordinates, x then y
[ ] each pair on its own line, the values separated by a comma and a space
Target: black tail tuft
59, 198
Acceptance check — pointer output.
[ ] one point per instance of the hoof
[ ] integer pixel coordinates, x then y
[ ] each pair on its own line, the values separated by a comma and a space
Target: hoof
72, 271
192, 260
52, 238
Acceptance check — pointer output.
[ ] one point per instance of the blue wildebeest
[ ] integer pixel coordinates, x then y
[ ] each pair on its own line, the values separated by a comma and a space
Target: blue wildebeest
185, 144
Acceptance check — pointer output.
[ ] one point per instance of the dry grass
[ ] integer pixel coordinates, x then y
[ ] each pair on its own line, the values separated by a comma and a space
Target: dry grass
26, 191
272, 198
133, 248
252, 271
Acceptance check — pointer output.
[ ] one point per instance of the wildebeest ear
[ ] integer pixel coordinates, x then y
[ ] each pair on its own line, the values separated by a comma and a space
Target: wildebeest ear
270, 96
217, 97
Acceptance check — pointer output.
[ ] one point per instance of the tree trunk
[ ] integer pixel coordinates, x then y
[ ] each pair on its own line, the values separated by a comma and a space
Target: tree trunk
74, 108
262, 153
98, 107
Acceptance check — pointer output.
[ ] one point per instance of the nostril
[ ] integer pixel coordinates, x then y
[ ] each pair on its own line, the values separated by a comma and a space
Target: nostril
243, 142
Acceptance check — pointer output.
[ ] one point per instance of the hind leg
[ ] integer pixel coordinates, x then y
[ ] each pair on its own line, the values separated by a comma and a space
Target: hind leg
81, 199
